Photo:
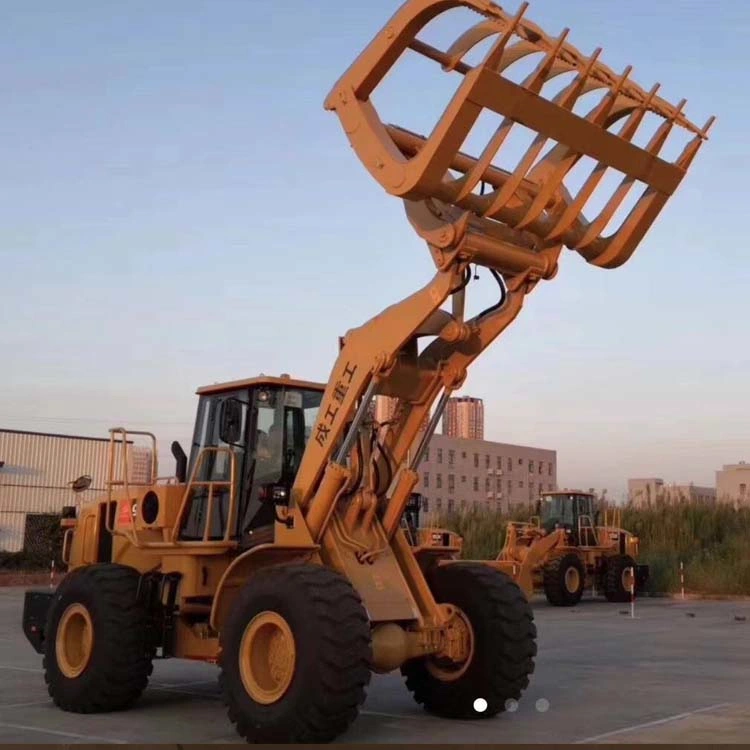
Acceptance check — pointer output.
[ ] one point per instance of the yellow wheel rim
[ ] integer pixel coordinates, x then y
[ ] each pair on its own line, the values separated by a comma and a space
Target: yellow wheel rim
267, 657
74, 641
444, 669
572, 580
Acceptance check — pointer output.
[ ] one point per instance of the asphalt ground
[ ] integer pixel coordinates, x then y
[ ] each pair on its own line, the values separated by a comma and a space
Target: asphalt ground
679, 671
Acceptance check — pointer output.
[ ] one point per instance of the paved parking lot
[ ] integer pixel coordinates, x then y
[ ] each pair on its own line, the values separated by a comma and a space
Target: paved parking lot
677, 672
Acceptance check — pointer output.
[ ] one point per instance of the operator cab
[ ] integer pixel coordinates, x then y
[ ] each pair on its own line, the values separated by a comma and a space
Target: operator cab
410, 519
249, 440
564, 509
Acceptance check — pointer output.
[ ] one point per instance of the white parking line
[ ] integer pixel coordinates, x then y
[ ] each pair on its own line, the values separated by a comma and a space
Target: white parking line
55, 732
658, 722
215, 697
184, 684
167, 687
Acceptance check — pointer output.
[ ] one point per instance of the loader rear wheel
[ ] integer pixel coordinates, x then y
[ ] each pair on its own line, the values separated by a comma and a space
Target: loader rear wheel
97, 652
504, 644
618, 578
564, 580
295, 655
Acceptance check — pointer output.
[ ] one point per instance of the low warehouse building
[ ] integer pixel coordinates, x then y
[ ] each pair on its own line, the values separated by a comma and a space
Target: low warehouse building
733, 484
40, 473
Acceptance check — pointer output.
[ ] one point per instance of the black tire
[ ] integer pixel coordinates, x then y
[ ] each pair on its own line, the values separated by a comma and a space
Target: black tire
120, 661
556, 576
331, 633
614, 590
504, 644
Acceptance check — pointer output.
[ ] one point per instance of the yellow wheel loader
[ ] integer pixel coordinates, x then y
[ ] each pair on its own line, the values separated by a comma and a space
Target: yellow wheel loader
565, 550
279, 552
429, 542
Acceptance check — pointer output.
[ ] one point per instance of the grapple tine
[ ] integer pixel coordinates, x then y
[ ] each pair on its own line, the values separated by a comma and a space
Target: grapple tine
468, 40
535, 81
499, 58
532, 200
621, 253
627, 132
565, 99
497, 51
534, 84
561, 159
709, 123
569, 95
691, 149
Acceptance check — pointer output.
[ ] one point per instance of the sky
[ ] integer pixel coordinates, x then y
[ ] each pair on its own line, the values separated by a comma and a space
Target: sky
178, 209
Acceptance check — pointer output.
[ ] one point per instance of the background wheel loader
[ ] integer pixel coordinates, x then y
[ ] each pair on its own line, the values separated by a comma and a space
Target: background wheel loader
279, 552
566, 549
429, 541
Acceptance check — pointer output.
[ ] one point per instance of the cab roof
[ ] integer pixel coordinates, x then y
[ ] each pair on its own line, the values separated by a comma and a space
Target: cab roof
270, 380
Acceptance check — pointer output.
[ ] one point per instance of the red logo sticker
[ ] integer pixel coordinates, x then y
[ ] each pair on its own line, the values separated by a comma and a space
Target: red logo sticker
126, 517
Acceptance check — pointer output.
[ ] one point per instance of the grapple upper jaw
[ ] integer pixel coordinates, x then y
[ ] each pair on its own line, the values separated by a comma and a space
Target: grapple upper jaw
533, 197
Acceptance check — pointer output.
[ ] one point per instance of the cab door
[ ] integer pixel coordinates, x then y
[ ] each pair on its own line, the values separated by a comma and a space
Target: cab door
217, 460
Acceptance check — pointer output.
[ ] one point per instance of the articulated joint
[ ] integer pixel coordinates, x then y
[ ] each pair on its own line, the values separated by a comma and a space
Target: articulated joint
456, 236
453, 332
453, 377
449, 646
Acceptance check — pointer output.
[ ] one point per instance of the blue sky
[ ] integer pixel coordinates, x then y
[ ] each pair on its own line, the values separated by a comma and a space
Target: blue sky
178, 209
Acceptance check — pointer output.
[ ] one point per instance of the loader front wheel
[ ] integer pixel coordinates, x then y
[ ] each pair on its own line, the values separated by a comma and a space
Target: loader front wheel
295, 656
98, 656
619, 577
504, 645
564, 580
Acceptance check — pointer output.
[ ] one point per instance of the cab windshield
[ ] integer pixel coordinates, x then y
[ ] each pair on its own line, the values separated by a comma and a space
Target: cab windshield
557, 509
284, 420
564, 509
263, 439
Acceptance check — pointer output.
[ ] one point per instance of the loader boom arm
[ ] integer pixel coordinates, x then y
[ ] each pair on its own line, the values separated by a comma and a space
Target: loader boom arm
517, 230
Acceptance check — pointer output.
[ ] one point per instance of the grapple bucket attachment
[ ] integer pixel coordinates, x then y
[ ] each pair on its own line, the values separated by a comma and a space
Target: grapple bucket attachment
531, 201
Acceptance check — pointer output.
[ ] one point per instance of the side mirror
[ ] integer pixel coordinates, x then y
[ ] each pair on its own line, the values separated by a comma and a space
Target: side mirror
230, 421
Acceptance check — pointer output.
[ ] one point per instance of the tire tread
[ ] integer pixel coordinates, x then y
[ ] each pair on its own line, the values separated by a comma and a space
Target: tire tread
121, 677
343, 658
503, 611
554, 588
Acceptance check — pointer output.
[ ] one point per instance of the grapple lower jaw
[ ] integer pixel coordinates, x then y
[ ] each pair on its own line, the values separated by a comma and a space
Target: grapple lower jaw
531, 200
